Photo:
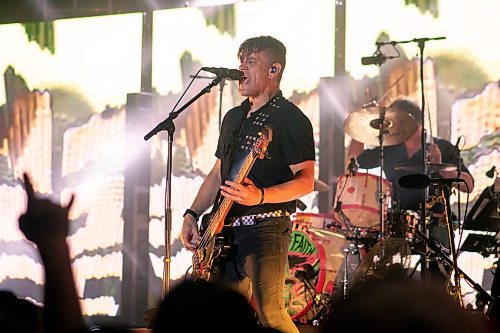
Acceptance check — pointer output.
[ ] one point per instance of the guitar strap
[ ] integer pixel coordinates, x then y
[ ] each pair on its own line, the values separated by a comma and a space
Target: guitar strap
247, 139
232, 144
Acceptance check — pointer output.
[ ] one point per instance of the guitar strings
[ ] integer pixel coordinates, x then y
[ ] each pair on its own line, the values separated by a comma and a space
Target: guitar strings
212, 227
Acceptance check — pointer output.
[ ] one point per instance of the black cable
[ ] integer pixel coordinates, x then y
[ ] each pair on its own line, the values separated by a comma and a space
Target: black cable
460, 226
185, 90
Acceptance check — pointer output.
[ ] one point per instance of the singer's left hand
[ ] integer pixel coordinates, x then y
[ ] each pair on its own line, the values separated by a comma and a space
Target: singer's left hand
245, 194
434, 154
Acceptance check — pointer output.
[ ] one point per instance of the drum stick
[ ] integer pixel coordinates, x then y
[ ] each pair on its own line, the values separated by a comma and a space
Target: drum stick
431, 138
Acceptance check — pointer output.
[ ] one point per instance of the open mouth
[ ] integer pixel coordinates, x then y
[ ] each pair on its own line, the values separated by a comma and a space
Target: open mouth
244, 79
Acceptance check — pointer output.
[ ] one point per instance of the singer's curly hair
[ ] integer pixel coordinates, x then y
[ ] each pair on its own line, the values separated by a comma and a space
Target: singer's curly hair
274, 47
408, 106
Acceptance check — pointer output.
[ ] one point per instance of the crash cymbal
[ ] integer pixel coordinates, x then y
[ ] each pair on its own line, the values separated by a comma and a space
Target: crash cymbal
363, 125
431, 167
320, 186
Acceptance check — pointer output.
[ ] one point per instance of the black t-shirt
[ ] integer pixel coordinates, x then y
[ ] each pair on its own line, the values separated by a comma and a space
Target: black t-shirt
292, 143
396, 154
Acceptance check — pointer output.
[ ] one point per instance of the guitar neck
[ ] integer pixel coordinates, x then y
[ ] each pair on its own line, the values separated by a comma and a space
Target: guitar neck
217, 221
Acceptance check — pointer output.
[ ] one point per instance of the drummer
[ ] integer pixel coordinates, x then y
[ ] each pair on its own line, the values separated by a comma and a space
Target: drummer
441, 154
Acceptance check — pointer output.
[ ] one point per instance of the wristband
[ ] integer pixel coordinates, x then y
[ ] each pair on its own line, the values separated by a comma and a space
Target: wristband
192, 213
261, 196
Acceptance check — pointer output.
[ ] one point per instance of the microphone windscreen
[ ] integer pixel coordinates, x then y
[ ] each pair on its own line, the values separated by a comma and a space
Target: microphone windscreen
416, 181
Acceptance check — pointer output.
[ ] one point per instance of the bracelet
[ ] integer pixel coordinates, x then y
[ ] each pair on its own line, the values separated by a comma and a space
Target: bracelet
261, 196
192, 213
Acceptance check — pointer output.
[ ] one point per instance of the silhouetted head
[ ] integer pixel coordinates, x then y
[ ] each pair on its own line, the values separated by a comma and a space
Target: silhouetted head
402, 306
19, 315
200, 306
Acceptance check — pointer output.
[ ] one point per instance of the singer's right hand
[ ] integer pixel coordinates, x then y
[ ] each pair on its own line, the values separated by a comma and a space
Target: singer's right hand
190, 237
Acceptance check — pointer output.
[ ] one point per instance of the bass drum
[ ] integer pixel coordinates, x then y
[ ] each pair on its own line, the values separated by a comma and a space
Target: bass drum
315, 257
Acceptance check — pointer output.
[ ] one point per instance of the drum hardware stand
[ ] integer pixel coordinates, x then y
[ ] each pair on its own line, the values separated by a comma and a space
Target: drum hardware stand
381, 124
353, 167
345, 220
436, 250
351, 250
318, 298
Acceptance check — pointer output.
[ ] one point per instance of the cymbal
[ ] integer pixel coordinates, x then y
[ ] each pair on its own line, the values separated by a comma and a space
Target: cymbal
320, 186
363, 126
431, 167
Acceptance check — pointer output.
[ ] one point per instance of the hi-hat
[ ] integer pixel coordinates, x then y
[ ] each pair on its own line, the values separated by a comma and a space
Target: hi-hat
431, 167
364, 126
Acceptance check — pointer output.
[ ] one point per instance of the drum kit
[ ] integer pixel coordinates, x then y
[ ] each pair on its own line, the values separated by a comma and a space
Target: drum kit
351, 245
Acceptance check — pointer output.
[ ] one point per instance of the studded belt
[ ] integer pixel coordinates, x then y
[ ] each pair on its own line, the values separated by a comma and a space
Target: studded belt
248, 220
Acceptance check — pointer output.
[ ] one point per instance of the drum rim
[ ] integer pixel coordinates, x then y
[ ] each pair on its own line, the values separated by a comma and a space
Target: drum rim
365, 174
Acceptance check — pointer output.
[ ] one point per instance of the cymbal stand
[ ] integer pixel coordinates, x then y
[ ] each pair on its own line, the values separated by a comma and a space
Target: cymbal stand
352, 249
381, 124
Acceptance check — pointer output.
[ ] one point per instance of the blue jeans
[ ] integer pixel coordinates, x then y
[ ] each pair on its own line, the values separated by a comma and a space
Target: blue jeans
258, 269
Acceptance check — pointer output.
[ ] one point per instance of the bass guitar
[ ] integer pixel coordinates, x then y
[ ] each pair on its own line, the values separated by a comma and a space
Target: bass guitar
213, 248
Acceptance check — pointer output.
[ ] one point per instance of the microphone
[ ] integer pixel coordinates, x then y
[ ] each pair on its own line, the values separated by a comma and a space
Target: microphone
353, 166
491, 172
421, 181
221, 72
377, 59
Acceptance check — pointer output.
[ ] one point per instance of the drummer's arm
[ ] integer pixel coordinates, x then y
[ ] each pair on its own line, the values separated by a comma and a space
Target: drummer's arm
355, 149
434, 155
463, 175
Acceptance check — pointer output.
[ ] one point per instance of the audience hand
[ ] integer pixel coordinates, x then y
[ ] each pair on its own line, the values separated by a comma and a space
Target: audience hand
44, 221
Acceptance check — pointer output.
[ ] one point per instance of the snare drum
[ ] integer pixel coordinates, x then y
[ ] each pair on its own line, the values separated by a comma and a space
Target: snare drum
357, 199
316, 255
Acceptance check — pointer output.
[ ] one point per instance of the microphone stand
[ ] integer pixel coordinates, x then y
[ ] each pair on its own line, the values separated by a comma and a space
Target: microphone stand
458, 271
168, 125
421, 46
457, 290
423, 214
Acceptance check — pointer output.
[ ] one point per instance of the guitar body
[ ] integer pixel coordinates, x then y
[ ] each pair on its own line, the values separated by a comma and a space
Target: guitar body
209, 258
212, 257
